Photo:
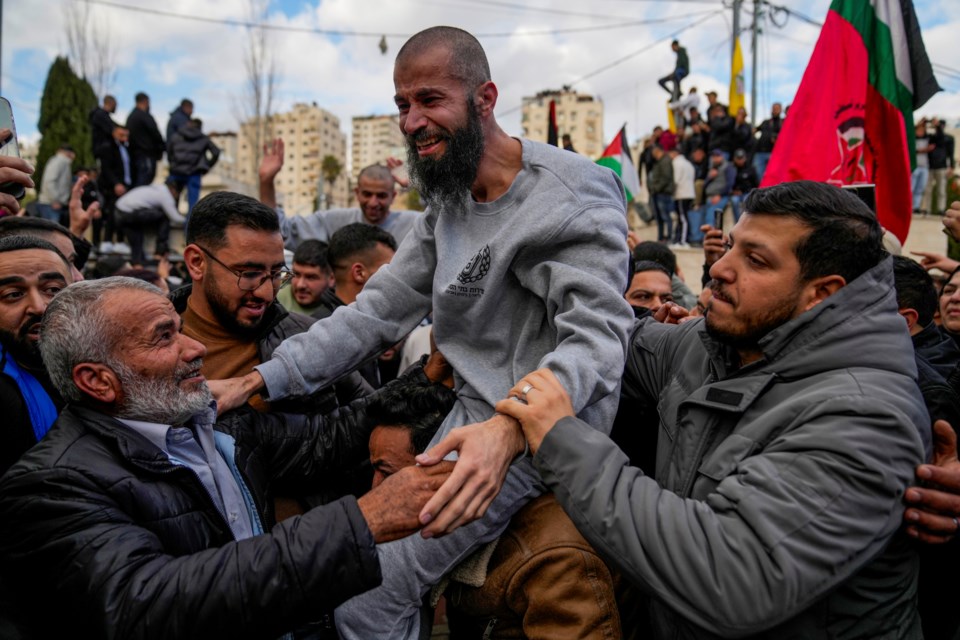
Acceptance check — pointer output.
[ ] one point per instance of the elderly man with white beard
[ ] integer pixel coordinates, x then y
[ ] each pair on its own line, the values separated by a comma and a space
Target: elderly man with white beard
142, 514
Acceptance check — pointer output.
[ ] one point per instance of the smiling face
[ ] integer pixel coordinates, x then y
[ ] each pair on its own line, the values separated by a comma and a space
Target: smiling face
216, 287
439, 119
375, 197
157, 366
757, 284
29, 279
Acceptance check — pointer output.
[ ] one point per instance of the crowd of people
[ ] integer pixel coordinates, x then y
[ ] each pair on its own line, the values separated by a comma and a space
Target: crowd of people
581, 446
123, 179
694, 171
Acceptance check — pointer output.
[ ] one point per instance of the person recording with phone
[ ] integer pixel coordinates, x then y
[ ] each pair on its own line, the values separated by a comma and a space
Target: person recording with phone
15, 172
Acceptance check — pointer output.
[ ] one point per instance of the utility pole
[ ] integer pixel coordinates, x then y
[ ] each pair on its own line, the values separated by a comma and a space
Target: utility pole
753, 73
733, 43
736, 28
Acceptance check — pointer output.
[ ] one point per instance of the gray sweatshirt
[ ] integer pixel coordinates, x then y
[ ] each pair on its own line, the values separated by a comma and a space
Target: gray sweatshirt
321, 225
533, 279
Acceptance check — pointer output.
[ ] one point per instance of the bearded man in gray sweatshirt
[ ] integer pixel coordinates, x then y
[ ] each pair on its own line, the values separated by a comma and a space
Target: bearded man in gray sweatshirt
522, 258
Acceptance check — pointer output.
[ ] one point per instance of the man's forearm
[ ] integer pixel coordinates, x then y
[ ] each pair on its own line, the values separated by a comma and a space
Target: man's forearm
268, 193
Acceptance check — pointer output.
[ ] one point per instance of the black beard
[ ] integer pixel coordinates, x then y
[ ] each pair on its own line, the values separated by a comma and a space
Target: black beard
748, 338
445, 182
19, 347
228, 321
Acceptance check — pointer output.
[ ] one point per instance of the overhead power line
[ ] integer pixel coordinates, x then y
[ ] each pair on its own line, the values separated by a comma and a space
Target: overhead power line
378, 34
618, 61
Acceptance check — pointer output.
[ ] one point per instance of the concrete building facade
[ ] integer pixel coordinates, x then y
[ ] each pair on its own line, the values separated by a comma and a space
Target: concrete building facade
374, 139
309, 134
579, 115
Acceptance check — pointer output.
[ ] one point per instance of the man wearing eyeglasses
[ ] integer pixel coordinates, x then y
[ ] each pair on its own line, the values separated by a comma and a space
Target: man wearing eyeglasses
234, 254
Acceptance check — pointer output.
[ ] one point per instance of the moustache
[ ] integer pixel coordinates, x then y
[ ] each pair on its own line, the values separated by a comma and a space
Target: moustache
28, 325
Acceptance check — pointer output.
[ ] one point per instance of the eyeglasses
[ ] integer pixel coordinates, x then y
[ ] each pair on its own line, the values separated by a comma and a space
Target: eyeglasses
253, 280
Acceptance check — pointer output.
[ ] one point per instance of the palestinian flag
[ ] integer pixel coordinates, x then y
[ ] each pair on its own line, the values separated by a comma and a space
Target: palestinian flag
617, 157
851, 121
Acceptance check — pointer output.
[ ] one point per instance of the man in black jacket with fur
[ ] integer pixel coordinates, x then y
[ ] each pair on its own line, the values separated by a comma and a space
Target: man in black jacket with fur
144, 515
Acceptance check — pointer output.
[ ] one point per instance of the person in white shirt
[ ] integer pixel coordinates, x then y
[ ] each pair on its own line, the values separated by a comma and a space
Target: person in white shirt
683, 194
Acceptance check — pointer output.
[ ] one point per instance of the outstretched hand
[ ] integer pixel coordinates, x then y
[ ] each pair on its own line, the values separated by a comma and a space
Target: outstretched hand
400, 176
234, 392
538, 402
392, 509
272, 161
951, 221
81, 218
939, 261
670, 313
485, 451
713, 244
933, 511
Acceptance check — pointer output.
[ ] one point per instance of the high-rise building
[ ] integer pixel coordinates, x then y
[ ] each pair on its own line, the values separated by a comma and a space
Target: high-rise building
375, 138
228, 144
310, 134
579, 115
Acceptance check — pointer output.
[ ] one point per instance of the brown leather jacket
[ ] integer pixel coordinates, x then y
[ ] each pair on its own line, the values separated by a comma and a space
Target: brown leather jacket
543, 581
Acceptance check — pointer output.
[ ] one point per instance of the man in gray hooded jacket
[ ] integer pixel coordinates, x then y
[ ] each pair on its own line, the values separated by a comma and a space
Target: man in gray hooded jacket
790, 427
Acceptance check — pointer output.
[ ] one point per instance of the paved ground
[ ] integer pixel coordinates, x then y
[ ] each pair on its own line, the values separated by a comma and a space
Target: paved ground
925, 235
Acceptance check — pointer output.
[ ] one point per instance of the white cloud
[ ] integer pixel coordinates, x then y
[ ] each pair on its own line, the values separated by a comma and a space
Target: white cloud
172, 58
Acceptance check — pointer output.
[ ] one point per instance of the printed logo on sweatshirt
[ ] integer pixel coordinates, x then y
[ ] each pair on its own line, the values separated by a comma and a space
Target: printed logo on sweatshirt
474, 272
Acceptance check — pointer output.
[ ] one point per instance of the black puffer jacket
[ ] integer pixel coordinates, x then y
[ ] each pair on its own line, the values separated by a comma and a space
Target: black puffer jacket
102, 537
191, 151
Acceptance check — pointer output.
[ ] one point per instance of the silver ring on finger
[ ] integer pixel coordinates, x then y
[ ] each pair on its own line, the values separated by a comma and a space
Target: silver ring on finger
525, 390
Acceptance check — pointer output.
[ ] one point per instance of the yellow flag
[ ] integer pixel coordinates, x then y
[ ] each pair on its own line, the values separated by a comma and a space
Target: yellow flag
671, 121
736, 79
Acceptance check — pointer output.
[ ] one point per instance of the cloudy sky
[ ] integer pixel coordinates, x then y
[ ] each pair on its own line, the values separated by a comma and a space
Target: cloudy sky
615, 49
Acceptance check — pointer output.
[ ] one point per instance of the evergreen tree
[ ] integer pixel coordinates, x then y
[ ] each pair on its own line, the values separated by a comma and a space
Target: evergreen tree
64, 111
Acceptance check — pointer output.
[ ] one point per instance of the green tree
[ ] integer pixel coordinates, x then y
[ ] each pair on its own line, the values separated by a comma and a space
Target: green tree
414, 201
64, 111
331, 168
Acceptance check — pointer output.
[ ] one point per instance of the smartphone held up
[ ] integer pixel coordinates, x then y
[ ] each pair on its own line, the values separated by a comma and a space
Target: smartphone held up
9, 147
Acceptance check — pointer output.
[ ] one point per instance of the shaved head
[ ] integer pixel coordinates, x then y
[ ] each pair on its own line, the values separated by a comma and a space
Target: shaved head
377, 172
468, 62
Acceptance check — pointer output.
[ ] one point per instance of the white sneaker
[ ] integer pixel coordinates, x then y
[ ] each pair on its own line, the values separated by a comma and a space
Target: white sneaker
122, 248
105, 247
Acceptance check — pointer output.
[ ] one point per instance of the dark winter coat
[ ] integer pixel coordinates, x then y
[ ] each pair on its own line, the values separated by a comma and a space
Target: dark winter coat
129, 545
145, 138
191, 151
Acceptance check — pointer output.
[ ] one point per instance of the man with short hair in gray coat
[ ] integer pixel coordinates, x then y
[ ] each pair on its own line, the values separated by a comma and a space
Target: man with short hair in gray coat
790, 427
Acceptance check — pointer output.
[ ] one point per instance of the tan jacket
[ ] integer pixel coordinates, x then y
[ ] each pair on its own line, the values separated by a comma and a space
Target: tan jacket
544, 581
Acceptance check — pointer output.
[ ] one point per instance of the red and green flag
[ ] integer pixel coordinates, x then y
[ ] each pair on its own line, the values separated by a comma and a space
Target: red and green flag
851, 121
617, 157
552, 125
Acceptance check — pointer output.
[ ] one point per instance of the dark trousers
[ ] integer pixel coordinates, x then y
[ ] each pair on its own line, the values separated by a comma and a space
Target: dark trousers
675, 76
663, 204
683, 219
104, 227
144, 170
192, 183
134, 223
